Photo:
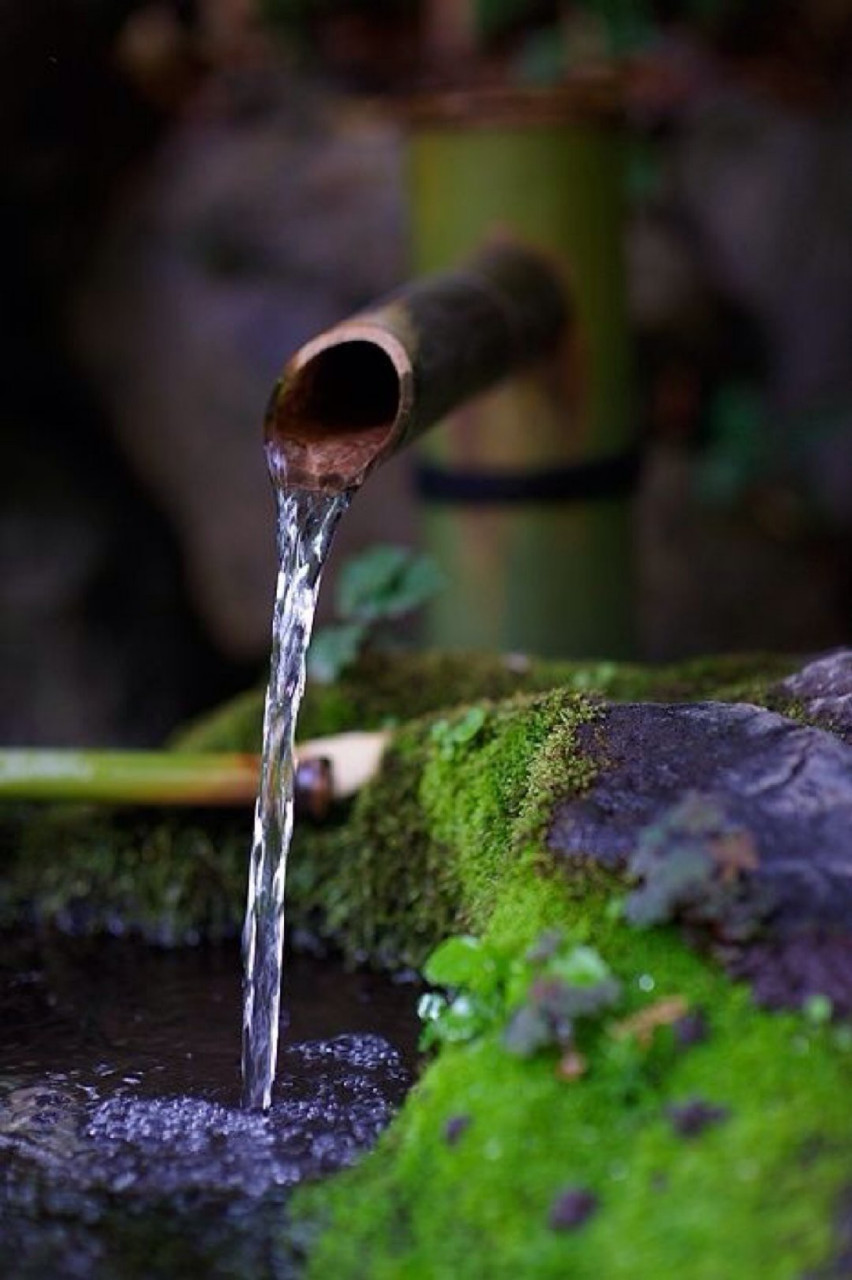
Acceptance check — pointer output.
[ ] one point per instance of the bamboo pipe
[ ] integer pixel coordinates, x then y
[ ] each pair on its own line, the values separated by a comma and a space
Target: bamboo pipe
327, 769
356, 393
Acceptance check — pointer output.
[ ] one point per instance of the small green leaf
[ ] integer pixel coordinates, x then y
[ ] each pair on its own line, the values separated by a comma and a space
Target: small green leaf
451, 1021
458, 962
466, 729
385, 582
333, 649
818, 1009
581, 967
462, 1020
598, 677
452, 735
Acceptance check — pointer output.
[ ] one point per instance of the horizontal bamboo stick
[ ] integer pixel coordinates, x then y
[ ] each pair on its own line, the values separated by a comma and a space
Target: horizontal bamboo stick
175, 777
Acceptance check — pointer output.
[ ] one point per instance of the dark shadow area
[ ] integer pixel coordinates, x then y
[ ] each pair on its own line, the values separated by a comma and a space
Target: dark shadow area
348, 387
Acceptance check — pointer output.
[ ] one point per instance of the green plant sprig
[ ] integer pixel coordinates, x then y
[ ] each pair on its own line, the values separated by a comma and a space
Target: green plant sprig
534, 1000
381, 585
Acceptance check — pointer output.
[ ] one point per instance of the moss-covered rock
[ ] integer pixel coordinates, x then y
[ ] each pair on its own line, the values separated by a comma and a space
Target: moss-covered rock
751, 1197
172, 877
724, 1153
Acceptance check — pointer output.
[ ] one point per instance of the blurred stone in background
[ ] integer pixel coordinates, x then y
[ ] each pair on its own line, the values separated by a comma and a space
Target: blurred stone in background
742, 276
267, 215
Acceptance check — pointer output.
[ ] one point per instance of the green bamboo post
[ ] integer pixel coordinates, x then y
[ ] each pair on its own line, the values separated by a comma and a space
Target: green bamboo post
543, 576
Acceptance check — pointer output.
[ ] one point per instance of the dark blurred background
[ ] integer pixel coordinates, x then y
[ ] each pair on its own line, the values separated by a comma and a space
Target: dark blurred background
192, 188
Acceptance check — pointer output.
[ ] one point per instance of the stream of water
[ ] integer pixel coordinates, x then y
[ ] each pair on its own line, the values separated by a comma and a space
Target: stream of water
306, 525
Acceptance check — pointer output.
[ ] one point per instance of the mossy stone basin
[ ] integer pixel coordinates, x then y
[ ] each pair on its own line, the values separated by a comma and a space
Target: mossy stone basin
695, 1132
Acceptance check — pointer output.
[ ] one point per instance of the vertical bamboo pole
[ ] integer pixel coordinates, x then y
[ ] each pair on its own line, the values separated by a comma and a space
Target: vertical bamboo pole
540, 573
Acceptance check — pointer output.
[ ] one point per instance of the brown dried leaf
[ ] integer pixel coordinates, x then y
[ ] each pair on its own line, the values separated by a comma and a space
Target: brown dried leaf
642, 1025
571, 1066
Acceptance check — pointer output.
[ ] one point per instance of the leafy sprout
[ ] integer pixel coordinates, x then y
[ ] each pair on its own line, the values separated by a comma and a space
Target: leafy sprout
533, 1001
451, 736
378, 586
694, 863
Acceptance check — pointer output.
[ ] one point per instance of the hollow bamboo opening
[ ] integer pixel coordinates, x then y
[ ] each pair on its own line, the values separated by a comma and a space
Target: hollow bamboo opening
352, 386
339, 409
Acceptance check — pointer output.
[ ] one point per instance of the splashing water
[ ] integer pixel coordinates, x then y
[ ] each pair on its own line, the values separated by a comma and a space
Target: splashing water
306, 525
123, 1155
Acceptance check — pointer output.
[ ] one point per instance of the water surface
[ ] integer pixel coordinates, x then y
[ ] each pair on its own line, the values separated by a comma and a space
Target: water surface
124, 1152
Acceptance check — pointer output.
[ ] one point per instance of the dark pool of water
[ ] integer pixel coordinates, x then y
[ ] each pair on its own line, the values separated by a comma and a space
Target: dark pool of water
123, 1150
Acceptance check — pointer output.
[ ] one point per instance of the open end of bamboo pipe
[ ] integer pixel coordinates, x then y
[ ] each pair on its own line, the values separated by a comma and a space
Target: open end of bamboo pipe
353, 395
340, 407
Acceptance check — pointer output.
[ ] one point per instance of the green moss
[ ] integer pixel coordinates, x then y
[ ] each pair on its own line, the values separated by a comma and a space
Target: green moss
485, 802
237, 725
378, 884
387, 689
750, 1198
173, 878
722, 678
382, 689
381, 881
396, 877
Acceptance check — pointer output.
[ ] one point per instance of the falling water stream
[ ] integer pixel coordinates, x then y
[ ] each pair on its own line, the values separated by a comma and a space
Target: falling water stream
306, 525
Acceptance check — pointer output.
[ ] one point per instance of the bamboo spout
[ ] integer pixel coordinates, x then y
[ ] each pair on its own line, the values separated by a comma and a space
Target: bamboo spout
359, 391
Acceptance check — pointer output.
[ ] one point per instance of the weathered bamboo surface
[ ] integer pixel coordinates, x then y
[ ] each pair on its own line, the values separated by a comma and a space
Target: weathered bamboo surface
359, 391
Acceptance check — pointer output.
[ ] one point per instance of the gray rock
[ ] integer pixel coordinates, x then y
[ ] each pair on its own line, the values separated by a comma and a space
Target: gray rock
788, 787
824, 688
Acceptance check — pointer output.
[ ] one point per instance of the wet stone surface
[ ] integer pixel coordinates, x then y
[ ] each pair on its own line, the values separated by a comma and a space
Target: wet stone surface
824, 689
786, 787
120, 1156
